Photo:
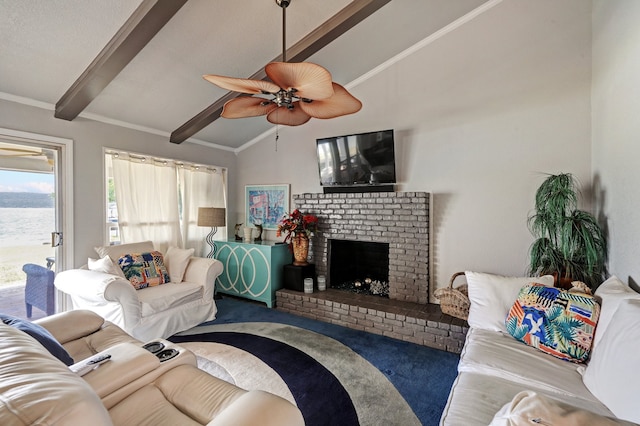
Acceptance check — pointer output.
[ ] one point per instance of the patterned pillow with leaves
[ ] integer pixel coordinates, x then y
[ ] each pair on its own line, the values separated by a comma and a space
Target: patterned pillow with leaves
555, 321
144, 269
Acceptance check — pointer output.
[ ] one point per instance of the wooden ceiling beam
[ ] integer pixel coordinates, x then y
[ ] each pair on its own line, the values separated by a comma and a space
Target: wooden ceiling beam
147, 20
354, 13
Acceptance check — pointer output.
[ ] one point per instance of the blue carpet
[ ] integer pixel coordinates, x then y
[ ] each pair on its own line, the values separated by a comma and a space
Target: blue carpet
422, 375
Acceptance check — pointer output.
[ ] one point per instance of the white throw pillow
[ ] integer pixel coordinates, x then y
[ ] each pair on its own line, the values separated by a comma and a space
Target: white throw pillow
105, 265
612, 374
176, 261
114, 252
611, 293
529, 408
492, 296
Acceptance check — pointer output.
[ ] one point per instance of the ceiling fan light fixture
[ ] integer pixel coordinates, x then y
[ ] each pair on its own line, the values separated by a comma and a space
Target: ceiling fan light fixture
286, 116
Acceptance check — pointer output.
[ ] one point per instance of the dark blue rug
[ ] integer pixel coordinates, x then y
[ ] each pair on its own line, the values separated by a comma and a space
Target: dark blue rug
423, 376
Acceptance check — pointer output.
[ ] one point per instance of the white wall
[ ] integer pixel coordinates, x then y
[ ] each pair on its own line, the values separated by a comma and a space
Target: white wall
480, 115
616, 129
89, 139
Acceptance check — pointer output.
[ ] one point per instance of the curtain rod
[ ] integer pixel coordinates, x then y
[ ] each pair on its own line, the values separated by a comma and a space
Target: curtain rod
165, 161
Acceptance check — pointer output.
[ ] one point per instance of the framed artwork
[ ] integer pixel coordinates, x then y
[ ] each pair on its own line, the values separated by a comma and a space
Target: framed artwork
265, 205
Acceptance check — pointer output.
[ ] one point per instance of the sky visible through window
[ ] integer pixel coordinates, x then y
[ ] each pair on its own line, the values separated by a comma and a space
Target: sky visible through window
11, 181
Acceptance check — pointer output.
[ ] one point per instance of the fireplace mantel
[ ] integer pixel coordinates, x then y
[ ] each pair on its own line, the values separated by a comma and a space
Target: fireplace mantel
400, 219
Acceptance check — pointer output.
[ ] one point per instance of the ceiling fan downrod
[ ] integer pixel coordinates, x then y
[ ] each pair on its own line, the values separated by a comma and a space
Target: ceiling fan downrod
284, 4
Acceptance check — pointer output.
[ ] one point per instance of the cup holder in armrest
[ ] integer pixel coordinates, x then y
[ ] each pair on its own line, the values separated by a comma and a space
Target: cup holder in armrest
163, 350
167, 354
154, 347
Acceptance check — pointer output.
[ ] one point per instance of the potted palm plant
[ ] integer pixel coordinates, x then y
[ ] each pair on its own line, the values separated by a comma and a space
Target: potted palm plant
569, 243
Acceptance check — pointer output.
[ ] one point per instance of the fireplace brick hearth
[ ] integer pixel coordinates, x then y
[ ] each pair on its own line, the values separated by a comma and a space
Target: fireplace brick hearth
424, 325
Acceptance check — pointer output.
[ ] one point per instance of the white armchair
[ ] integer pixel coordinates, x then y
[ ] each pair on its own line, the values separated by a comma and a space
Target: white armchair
152, 312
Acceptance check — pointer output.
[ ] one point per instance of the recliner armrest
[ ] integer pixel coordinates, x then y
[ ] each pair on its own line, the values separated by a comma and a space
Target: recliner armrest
130, 368
128, 362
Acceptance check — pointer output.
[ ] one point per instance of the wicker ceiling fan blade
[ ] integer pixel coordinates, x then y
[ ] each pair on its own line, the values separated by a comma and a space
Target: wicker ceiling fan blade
242, 85
311, 81
341, 103
288, 117
247, 106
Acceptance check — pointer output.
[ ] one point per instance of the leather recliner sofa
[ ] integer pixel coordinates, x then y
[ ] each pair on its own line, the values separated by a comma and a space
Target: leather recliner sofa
135, 387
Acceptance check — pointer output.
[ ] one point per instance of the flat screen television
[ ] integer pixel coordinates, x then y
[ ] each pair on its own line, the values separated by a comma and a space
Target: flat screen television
358, 159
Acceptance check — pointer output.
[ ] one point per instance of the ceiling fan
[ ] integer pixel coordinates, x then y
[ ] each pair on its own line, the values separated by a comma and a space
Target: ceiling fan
296, 92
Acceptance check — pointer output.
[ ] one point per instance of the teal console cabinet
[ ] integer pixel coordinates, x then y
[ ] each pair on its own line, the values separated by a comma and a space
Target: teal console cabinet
252, 270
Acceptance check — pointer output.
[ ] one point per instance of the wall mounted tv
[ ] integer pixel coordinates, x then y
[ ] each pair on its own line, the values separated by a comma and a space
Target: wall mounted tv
357, 160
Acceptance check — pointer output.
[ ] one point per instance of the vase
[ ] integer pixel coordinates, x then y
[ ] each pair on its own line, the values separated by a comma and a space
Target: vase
300, 243
248, 231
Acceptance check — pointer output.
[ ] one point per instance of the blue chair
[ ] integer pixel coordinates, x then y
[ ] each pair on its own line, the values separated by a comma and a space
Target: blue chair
39, 290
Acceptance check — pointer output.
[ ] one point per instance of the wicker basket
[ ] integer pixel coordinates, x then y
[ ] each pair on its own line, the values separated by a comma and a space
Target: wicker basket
454, 301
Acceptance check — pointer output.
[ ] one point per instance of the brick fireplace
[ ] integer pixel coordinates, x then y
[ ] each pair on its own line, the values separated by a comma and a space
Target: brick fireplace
399, 220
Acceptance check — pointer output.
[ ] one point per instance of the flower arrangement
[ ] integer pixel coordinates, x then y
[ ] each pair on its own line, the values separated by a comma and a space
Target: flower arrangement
295, 223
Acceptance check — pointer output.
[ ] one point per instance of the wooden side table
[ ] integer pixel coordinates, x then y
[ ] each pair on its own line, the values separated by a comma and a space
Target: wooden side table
294, 276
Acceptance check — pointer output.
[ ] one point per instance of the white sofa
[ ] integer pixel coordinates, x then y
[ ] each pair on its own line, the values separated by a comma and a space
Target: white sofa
502, 381
152, 312
135, 387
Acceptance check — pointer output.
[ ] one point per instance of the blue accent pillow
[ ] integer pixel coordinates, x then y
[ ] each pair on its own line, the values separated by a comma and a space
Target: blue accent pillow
41, 334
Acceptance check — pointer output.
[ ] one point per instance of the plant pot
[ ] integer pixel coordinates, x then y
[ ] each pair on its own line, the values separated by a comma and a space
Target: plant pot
562, 282
300, 244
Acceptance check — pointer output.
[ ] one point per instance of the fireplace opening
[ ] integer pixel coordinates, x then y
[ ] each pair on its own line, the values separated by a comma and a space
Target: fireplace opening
359, 266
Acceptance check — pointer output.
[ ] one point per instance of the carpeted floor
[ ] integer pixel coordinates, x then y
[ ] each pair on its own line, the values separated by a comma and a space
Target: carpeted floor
335, 375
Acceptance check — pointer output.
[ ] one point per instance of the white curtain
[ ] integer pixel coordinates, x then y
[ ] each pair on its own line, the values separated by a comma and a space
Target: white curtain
201, 187
147, 199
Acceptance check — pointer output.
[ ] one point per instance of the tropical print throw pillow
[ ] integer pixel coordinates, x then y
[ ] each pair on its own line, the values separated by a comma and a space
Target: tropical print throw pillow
555, 321
144, 269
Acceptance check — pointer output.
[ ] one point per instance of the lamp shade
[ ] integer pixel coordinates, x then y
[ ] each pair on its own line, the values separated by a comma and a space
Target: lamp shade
211, 216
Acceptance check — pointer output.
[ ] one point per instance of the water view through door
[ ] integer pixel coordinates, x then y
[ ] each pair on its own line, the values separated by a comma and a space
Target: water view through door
29, 197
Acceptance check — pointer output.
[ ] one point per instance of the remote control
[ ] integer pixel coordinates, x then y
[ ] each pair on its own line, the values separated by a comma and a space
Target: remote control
89, 364
99, 359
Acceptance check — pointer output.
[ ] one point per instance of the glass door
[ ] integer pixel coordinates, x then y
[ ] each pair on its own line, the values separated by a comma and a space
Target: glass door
33, 221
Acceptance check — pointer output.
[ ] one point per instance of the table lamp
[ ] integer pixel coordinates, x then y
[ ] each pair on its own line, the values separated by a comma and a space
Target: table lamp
213, 217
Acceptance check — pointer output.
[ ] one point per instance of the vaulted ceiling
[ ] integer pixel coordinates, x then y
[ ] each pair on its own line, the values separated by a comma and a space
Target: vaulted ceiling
139, 63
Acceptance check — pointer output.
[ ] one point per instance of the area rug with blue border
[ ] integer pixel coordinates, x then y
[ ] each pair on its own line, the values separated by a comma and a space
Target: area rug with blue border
335, 375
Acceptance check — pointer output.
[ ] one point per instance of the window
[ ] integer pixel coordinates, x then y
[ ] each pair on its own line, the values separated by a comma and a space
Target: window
157, 199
